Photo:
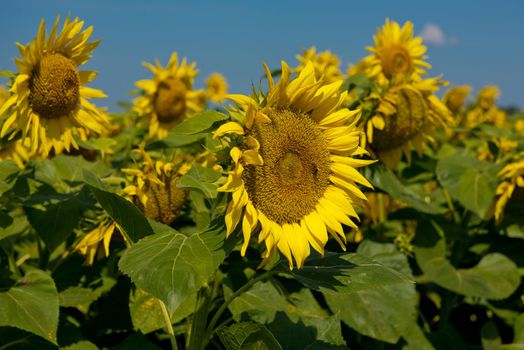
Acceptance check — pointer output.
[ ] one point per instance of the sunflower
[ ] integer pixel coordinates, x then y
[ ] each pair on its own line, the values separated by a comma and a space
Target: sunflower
49, 99
153, 187
397, 55
512, 177
294, 170
216, 87
407, 115
455, 98
168, 98
16, 151
485, 111
326, 64
89, 244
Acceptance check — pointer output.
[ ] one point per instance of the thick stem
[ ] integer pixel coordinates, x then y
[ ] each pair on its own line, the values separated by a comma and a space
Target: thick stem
169, 325
211, 328
196, 340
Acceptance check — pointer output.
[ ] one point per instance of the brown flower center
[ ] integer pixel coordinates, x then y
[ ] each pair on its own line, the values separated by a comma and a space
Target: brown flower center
395, 61
296, 168
54, 87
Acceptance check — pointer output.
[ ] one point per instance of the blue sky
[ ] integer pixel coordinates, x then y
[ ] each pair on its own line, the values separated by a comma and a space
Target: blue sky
482, 42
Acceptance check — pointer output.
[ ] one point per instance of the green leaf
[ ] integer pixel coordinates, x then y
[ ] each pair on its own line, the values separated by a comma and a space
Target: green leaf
470, 181
81, 345
19, 225
247, 336
261, 302
381, 311
55, 222
146, 313
494, 277
8, 175
191, 130
173, 266
82, 297
130, 219
201, 179
384, 179
63, 172
31, 305
346, 273
490, 336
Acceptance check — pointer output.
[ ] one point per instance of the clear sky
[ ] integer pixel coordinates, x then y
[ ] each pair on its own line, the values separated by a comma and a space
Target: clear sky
474, 42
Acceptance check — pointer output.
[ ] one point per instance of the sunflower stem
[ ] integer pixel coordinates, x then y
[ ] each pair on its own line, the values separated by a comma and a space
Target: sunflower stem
196, 340
211, 327
169, 325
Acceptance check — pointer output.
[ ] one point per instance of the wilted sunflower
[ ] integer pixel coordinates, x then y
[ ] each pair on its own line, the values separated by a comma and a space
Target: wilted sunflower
294, 172
89, 244
512, 177
485, 110
48, 101
326, 64
407, 115
455, 98
216, 87
152, 188
397, 55
168, 98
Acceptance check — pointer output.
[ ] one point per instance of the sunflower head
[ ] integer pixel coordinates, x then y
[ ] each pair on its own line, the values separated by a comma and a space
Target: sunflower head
216, 87
294, 170
325, 63
396, 55
407, 115
168, 98
487, 96
49, 100
455, 97
153, 188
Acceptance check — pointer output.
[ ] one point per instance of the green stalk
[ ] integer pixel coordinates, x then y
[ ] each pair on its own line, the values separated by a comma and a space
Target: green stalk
196, 339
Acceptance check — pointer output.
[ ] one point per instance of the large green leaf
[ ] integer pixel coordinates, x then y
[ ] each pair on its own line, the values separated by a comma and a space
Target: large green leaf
248, 336
470, 181
384, 311
31, 305
130, 219
384, 179
173, 266
191, 130
63, 172
346, 273
54, 221
146, 313
201, 179
263, 303
8, 172
494, 277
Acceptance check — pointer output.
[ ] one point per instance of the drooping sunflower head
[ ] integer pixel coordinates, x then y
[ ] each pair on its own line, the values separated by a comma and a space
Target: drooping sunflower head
407, 115
326, 64
512, 178
216, 87
455, 97
153, 187
487, 96
397, 55
294, 171
49, 99
168, 98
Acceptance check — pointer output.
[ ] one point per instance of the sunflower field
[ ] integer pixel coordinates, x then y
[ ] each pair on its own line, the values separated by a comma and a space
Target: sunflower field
372, 208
